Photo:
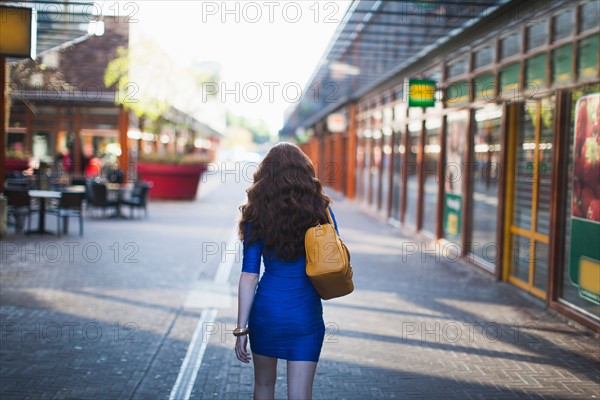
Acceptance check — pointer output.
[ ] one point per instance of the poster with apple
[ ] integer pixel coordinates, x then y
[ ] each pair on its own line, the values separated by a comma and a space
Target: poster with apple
584, 260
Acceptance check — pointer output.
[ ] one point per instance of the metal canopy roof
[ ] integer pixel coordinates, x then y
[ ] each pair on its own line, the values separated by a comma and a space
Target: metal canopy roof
374, 40
59, 23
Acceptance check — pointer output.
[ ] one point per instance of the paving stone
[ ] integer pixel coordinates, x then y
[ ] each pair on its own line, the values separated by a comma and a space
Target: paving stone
415, 327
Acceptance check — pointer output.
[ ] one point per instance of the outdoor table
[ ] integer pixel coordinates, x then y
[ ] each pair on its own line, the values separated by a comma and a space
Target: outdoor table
43, 195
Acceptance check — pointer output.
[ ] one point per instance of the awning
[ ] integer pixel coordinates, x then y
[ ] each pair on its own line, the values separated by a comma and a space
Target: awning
61, 23
374, 41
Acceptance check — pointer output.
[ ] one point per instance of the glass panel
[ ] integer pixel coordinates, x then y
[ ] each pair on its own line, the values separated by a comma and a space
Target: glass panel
431, 158
537, 34
456, 137
562, 65
376, 169
386, 155
360, 169
16, 142
367, 169
535, 72
523, 189
457, 93
540, 277
521, 250
509, 79
457, 68
487, 146
411, 168
485, 87
587, 57
545, 167
563, 25
398, 153
589, 15
42, 147
569, 290
484, 56
510, 45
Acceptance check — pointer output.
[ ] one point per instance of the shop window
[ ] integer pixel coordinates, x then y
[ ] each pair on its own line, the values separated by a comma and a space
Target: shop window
411, 170
386, 159
398, 156
575, 286
457, 68
563, 25
510, 45
589, 15
456, 137
484, 56
431, 156
484, 185
537, 34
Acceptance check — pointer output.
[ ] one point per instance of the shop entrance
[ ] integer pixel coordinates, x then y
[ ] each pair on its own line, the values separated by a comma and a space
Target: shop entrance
529, 195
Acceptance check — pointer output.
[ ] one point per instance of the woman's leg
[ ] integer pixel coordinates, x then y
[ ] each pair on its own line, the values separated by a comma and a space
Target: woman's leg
265, 375
300, 377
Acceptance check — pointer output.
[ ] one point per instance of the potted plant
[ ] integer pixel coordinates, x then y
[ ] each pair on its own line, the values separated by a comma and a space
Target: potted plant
173, 177
16, 161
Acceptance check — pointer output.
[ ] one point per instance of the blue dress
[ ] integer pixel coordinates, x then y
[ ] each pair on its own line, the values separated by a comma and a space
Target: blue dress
286, 319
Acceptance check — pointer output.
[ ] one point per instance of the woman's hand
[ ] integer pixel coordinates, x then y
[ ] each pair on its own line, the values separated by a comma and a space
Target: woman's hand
241, 352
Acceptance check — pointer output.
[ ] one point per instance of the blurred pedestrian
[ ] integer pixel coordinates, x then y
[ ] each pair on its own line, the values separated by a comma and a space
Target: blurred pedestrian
282, 314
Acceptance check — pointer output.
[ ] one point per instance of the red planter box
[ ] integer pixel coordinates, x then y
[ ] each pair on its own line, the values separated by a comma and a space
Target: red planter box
15, 165
172, 181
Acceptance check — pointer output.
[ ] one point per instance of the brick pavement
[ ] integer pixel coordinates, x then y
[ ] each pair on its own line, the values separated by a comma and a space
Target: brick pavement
416, 327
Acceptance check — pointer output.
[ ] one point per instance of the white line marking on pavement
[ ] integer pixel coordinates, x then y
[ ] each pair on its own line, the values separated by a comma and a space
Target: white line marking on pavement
182, 389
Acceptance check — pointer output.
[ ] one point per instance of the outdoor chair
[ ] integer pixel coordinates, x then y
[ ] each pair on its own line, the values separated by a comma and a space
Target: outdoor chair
19, 207
69, 205
138, 198
99, 198
16, 184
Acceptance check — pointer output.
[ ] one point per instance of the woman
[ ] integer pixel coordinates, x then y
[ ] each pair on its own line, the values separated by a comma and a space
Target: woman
283, 312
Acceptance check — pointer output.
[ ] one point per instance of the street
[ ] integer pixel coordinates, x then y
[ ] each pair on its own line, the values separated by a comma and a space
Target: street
144, 309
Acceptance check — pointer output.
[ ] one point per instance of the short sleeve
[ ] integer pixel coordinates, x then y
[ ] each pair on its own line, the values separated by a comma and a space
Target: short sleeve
334, 221
252, 254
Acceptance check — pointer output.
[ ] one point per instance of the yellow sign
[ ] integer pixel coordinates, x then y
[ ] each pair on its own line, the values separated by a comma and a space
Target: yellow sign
17, 32
589, 275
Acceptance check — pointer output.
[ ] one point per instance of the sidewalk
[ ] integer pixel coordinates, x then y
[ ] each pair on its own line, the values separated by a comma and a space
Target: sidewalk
421, 328
118, 326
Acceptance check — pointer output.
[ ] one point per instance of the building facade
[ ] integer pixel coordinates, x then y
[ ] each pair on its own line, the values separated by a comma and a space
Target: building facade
503, 171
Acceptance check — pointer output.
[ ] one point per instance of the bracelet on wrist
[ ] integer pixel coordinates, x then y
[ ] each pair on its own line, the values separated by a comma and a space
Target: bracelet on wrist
240, 331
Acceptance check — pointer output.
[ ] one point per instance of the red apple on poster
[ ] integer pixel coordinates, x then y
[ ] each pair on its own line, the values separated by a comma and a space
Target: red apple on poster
587, 196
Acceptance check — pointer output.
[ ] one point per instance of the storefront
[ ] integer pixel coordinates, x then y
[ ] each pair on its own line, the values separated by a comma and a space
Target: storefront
504, 169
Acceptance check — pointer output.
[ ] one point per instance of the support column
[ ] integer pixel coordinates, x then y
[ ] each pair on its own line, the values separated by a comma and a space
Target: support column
351, 153
77, 147
3, 119
124, 141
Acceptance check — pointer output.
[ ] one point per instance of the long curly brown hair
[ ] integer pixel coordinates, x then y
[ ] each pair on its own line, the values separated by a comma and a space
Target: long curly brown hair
285, 200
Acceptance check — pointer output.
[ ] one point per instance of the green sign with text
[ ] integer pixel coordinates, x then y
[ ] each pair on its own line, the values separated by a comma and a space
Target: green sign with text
421, 93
